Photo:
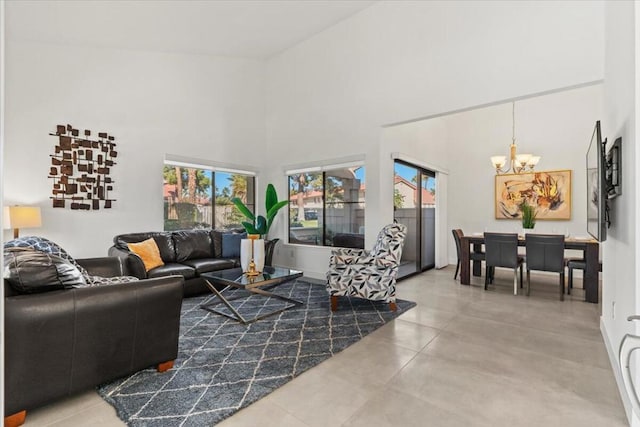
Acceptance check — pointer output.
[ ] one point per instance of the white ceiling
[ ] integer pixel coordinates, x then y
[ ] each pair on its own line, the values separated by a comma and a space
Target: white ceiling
250, 29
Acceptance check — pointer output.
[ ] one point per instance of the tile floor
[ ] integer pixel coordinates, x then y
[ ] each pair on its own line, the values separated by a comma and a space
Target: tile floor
462, 357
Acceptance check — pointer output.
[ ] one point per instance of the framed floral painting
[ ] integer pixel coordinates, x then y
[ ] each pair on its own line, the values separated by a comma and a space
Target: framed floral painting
549, 192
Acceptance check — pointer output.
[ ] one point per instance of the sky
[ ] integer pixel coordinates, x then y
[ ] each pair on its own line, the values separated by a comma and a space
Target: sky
409, 173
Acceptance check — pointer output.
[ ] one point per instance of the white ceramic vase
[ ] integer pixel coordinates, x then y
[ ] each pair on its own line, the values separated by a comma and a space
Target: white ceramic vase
245, 254
258, 254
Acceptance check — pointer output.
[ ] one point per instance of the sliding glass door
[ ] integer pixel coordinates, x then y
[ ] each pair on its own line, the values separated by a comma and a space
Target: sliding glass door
414, 203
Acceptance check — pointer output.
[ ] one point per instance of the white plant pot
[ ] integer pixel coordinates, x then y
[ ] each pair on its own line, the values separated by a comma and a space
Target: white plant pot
245, 254
258, 254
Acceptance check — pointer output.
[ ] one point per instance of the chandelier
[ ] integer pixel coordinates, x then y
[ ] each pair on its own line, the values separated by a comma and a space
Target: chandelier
518, 163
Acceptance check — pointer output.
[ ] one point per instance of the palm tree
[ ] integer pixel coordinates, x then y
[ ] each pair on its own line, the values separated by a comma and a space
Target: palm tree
178, 184
302, 180
302, 183
191, 185
239, 187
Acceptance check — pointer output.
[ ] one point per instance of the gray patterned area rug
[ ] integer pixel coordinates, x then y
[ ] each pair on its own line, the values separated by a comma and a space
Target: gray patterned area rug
223, 366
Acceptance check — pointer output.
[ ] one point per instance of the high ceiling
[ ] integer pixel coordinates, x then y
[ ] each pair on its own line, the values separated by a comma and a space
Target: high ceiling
250, 29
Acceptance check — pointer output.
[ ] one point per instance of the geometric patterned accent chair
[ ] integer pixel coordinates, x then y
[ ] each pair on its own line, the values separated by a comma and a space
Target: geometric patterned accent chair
370, 275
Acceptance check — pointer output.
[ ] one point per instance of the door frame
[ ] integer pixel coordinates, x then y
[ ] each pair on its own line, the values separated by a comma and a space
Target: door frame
444, 244
421, 172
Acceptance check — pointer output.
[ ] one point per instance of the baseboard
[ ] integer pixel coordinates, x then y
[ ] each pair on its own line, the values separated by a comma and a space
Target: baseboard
316, 275
613, 359
319, 275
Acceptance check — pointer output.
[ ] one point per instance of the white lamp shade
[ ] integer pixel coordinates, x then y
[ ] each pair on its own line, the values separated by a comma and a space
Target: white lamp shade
523, 159
21, 217
498, 161
533, 160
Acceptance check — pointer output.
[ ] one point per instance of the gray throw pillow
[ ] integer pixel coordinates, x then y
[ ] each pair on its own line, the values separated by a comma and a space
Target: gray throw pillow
29, 271
231, 244
216, 238
43, 245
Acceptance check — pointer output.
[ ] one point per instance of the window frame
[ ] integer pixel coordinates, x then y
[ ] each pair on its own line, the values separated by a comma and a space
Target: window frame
323, 170
214, 170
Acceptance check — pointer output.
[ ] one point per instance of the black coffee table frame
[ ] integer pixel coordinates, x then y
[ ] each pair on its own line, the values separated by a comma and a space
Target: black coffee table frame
234, 278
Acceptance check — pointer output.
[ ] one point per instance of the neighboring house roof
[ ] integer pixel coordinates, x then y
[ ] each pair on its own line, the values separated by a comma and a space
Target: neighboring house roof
427, 197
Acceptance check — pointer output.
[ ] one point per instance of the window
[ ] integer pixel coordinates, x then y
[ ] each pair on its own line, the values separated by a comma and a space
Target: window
191, 202
323, 204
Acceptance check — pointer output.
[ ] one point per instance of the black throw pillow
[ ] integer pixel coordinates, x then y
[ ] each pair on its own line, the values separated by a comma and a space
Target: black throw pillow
29, 271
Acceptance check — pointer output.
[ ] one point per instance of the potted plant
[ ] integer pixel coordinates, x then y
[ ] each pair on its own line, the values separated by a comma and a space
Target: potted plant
260, 225
528, 215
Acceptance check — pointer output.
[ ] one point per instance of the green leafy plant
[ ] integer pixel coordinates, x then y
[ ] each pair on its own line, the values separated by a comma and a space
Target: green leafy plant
528, 215
260, 224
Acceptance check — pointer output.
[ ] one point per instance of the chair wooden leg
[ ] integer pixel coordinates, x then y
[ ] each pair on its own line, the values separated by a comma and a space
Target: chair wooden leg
165, 366
393, 306
15, 420
487, 273
334, 303
562, 286
457, 268
570, 284
528, 282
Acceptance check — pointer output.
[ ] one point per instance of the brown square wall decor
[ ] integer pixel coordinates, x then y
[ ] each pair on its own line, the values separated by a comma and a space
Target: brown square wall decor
549, 192
79, 174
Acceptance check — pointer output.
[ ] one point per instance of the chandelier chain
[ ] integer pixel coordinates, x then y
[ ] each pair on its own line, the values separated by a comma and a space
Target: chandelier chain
517, 163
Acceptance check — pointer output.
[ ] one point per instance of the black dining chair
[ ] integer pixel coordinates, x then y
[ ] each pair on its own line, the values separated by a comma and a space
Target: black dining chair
473, 256
579, 264
545, 252
501, 250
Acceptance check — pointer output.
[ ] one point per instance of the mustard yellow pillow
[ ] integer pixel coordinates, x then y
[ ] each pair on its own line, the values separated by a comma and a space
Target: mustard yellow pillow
148, 251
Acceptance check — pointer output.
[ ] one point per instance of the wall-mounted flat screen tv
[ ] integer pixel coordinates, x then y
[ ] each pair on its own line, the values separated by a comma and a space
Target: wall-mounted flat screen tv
596, 187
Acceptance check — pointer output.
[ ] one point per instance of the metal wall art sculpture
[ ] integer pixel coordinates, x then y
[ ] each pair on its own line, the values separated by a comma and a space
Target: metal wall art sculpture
80, 168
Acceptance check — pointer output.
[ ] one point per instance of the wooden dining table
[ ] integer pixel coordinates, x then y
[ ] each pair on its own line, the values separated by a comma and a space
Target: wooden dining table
589, 248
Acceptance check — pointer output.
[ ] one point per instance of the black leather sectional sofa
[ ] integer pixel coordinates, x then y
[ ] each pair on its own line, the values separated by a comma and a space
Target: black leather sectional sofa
187, 253
60, 342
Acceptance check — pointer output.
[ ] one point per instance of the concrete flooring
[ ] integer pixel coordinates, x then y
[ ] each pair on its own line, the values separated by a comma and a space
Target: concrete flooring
462, 357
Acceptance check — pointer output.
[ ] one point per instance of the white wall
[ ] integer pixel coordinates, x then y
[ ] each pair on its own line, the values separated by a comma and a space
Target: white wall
422, 143
620, 251
397, 61
557, 127
2, 109
201, 107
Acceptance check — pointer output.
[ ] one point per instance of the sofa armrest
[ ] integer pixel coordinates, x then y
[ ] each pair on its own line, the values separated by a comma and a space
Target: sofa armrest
103, 266
61, 342
132, 263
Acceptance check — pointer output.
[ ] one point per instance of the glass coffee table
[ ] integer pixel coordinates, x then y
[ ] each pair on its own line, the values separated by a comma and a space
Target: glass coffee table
258, 285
